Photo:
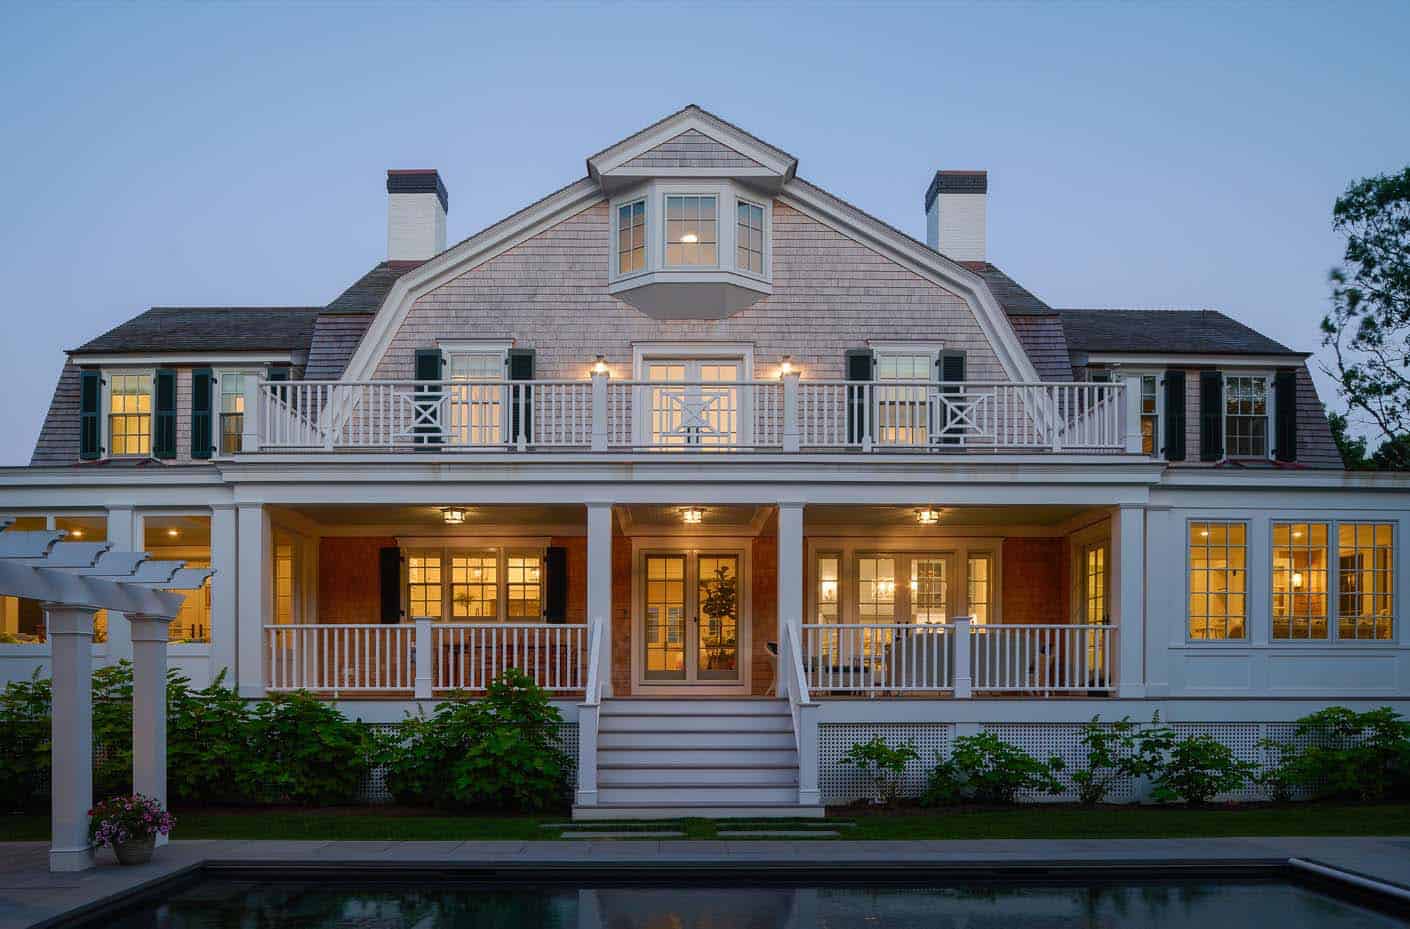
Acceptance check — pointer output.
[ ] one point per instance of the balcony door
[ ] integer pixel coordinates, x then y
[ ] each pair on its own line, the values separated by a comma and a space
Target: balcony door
475, 405
692, 403
691, 629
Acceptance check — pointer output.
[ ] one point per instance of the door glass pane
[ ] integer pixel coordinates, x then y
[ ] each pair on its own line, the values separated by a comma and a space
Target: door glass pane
702, 411
664, 627
930, 590
902, 411
718, 615
980, 587
828, 592
475, 408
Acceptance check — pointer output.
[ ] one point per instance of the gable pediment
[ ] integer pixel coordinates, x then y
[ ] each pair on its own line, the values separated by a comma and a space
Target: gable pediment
692, 143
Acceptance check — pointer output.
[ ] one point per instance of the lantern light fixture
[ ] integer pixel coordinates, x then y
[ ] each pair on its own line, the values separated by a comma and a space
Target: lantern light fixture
453, 515
692, 515
928, 515
599, 365
785, 366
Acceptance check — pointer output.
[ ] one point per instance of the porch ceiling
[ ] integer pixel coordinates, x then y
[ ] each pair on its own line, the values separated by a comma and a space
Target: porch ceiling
828, 519
538, 517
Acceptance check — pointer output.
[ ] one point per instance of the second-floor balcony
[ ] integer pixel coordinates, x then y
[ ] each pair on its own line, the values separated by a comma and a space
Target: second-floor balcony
785, 415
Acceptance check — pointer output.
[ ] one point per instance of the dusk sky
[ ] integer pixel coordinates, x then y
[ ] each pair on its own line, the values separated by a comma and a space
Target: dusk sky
1139, 156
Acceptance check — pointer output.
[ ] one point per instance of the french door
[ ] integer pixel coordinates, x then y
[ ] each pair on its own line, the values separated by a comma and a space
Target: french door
691, 628
476, 409
693, 403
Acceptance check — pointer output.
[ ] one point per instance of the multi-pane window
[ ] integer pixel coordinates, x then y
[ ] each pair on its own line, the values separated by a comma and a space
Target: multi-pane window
749, 237
692, 237
423, 576
130, 414
1218, 580
474, 586
232, 411
283, 583
476, 408
902, 405
876, 589
1300, 581
930, 590
980, 584
665, 615
1246, 417
631, 237
1094, 587
525, 587
188, 539
829, 589
1365, 580
1150, 415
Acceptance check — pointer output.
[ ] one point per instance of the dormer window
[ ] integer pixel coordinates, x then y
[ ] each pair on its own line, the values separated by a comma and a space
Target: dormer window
631, 237
692, 239
130, 414
749, 237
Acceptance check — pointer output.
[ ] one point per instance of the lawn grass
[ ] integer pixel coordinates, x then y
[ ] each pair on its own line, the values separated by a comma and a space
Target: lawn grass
1029, 822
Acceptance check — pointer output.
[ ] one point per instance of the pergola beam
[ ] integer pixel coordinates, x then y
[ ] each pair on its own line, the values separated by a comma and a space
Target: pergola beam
61, 586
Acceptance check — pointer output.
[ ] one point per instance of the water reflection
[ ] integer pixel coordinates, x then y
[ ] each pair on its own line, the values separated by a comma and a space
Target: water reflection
242, 905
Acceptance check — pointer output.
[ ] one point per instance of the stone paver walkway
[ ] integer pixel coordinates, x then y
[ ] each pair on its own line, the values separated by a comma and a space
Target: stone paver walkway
29, 894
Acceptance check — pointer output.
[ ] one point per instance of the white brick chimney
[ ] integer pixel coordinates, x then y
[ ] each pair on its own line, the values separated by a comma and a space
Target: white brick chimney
955, 212
416, 214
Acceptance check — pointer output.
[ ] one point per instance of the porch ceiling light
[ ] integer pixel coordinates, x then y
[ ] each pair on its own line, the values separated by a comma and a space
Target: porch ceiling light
75, 533
928, 516
453, 515
173, 532
692, 515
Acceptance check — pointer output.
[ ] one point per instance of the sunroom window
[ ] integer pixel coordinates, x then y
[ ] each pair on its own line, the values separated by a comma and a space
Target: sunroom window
1299, 581
1365, 580
692, 236
1218, 580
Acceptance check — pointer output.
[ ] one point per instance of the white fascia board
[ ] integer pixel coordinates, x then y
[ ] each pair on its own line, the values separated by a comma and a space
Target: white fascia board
609, 160
150, 359
463, 257
1288, 479
1149, 360
993, 321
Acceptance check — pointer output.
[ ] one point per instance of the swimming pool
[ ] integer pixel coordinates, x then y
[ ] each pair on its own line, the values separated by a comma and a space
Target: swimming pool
405, 903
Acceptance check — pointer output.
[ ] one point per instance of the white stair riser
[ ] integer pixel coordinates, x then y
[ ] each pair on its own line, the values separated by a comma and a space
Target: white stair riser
698, 777
696, 707
788, 810
696, 723
694, 757
733, 741
694, 794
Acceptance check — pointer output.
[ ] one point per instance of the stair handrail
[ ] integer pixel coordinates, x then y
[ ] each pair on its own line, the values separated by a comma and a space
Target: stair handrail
791, 664
593, 692
588, 712
804, 712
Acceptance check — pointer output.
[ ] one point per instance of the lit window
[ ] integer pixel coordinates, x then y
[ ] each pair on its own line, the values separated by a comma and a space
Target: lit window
691, 236
130, 414
423, 575
22, 619
749, 237
1218, 579
232, 411
876, 589
1299, 581
474, 586
476, 408
525, 587
631, 237
1094, 585
828, 588
1246, 417
980, 584
283, 583
902, 404
188, 539
1365, 580
1150, 416
930, 590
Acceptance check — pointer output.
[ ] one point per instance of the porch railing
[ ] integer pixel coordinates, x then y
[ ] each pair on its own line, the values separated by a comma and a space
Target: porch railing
1043, 659
784, 415
874, 658
421, 657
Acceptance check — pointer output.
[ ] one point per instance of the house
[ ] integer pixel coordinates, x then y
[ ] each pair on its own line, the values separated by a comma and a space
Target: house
742, 475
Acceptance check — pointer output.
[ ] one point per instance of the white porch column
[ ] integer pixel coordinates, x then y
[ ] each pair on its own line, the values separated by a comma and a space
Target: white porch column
599, 583
71, 774
224, 594
790, 582
254, 600
149, 637
122, 532
1128, 580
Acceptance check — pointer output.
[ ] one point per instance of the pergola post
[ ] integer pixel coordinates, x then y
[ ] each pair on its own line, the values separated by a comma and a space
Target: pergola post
149, 638
71, 772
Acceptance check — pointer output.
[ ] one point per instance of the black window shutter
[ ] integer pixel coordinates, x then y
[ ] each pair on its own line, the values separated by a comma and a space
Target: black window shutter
90, 395
521, 368
860, 365
201, 443
427, 397
277, 373
1285, 409
1211, 416
555, 601
164, 422
389, 582
1174, 415
951, 369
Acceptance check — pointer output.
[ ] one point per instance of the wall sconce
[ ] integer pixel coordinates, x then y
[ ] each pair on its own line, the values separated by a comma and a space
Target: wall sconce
173, 532
1297, 579
928, 516
692, 515
75, 533
599, 365
829, 591
785, 366
453, 515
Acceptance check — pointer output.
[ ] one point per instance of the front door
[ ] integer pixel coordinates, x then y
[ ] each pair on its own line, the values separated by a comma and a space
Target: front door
691, 618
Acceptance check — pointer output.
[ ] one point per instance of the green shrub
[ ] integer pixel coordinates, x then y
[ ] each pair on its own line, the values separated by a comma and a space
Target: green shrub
24, 743
985, 769
1122, 749
1200, 767
884, 764
208, 742
1339, 753
112, 730
501, 751
304, 751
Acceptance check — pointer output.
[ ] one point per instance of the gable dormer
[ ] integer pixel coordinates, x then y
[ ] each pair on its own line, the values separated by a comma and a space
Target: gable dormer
691, 203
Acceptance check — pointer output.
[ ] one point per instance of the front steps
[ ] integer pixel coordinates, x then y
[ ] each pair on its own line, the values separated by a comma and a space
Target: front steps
711, 758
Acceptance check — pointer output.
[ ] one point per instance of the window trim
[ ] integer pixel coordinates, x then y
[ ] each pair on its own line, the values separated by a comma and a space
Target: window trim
646, 225
1332, 572
106, 410
217, 415
1269, 413
1247, 639
665, 195
728, 195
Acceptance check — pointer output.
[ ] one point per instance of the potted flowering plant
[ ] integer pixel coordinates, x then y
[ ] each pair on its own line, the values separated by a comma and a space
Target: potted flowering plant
130, 825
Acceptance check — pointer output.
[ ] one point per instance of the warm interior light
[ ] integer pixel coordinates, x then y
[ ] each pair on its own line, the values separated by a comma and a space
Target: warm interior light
690, 238
1297, 533
173, 532
829, 591
928, 516
599, 365
692, 515
75, 533
1204, 533
1297, 579
453, 515
886, 588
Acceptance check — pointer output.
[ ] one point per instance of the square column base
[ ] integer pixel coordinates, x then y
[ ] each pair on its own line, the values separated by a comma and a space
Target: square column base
67, 860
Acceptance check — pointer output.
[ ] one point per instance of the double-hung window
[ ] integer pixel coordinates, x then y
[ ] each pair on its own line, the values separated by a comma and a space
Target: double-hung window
1246, 416
749, 237
1150, 414
631, 237
130, 414
692, 230
231, 410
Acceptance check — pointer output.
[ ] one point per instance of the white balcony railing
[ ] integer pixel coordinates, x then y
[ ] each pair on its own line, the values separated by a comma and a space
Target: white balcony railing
783, 415
422, 657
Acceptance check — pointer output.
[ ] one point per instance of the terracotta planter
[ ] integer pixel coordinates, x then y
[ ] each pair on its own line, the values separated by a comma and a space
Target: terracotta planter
135, 852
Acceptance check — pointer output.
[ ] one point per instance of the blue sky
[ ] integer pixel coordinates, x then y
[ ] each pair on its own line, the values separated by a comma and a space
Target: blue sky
1153, 155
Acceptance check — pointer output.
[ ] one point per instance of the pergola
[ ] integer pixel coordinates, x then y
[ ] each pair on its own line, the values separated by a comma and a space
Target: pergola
73, 581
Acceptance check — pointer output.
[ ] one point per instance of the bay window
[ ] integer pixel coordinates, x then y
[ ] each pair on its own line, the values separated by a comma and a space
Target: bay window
631, 237
692, 239
475, 585
1218, 580
749, 237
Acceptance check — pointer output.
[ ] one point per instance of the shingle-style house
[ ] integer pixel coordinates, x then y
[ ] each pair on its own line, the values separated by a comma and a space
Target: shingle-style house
742, 475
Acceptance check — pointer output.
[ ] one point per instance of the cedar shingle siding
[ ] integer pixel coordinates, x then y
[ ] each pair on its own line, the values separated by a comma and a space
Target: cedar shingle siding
691, 149
58, 437
1045, 344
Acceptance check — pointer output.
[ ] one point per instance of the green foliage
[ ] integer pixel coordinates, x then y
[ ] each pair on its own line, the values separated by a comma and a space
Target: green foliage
1198, 768
985, 769
1122, 749
883, 763
208, 741
499, 752
24, 743
304, 751
1368, 327
112, 730
1337, 752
